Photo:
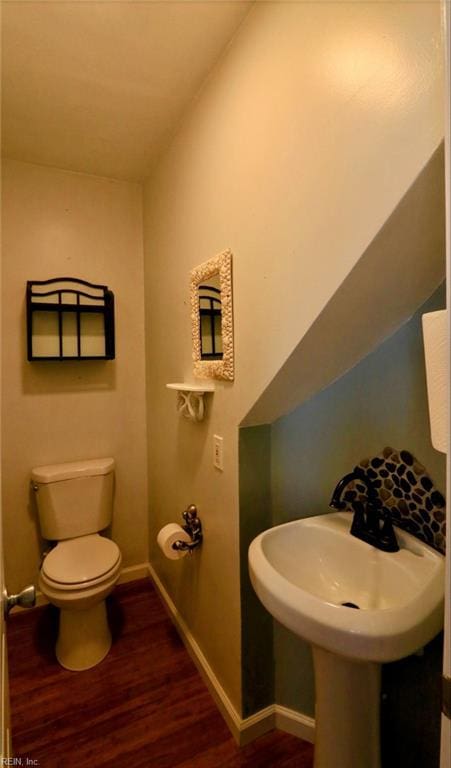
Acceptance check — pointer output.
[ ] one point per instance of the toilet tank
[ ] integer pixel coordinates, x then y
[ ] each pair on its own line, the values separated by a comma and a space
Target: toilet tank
75, 498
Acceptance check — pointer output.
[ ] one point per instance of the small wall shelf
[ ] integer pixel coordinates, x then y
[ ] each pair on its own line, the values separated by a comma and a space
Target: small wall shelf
69, 319
190, 399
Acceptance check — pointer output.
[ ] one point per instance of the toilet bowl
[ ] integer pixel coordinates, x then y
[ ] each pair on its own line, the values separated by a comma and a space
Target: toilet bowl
74, 503
76, 576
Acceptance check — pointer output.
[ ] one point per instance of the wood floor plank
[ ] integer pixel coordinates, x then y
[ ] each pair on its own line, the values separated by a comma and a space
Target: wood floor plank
145, 705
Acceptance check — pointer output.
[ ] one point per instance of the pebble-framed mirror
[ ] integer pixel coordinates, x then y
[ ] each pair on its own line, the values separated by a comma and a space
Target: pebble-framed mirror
212, 319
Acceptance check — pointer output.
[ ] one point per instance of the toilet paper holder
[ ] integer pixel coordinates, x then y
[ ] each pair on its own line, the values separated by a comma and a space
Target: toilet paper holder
193, 527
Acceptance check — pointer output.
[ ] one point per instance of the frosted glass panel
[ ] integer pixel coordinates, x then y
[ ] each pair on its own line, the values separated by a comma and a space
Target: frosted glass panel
92, 335
67, 284
46, 299
45, 336
68, 298
70, 347
86, 300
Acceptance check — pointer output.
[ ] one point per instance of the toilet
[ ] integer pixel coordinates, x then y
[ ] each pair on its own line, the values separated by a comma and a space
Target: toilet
75, 503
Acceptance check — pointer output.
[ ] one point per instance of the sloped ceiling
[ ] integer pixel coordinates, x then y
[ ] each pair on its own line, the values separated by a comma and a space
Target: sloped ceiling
400, 269
99, 87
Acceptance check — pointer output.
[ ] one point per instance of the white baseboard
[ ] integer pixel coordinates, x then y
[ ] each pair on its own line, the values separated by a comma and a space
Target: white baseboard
223, 702
291, 721
255, 725
40, 601
246, 729
131, 573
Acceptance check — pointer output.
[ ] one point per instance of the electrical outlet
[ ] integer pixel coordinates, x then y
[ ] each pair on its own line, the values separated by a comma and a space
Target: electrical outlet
218, 453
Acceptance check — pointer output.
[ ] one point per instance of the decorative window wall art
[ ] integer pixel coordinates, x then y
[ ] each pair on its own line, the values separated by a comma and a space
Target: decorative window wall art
69, 319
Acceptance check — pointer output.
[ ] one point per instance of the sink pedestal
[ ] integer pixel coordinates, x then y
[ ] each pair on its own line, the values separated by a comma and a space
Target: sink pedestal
347, 711
312, 576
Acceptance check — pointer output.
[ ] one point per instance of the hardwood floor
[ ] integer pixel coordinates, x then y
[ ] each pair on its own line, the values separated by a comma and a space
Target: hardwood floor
144, 706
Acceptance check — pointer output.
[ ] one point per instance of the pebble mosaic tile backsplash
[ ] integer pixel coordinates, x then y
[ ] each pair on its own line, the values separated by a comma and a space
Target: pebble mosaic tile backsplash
405, 487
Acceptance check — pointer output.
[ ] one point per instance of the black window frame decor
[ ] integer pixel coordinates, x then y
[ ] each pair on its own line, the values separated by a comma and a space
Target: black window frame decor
104, 306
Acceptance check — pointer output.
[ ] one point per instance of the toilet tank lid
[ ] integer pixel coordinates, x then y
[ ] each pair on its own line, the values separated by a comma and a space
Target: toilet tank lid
53, 473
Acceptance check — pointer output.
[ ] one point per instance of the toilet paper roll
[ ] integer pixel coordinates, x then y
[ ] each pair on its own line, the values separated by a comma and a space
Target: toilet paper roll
168, 536
435, 334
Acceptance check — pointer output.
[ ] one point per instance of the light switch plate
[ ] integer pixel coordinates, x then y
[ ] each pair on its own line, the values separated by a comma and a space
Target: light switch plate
218, 454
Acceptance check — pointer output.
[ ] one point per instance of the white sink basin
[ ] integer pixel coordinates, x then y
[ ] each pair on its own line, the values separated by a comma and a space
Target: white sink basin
305, 570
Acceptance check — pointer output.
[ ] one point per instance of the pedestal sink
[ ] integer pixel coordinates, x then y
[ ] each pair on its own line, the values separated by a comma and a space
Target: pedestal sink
358, 607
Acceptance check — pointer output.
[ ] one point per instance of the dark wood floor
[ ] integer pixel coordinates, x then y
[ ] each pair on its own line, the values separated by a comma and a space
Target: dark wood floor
144, 705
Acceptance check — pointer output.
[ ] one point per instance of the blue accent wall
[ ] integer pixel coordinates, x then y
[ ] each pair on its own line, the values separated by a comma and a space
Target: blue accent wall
381, 401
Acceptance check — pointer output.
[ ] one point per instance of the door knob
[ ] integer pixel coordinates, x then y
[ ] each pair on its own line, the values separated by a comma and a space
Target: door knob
26, 599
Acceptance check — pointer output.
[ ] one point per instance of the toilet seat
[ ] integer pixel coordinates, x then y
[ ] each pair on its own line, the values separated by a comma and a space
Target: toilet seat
81, 563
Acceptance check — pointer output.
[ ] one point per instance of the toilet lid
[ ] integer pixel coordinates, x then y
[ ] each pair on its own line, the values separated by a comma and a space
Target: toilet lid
85, 558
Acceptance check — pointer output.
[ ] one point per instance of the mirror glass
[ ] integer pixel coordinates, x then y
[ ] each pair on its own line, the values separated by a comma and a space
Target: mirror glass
210, 319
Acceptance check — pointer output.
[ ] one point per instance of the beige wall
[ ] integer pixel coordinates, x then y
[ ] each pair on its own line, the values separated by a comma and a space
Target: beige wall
57, 223
306, 136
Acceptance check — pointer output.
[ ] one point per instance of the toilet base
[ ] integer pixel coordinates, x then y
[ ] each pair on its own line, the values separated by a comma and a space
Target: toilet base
84, 637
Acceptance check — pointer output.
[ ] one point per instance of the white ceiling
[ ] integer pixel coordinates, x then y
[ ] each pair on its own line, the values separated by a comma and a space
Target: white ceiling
100, 87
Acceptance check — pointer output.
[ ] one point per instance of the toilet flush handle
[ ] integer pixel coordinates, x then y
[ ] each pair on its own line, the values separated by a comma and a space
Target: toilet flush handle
26, 599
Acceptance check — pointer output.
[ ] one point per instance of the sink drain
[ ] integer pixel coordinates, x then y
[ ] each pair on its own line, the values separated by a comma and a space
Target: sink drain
351, 605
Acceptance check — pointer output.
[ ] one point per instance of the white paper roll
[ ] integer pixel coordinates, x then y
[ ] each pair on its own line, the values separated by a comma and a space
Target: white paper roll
168, 536
435, 336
